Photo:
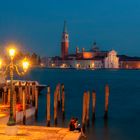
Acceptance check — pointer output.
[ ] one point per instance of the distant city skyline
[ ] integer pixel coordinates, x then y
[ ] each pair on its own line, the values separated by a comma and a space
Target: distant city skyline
37, 25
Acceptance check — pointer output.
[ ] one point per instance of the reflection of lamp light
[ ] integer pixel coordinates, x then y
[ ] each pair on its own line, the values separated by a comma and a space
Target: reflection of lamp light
63, 65
42, 65
92, 65
53, 65
78, 65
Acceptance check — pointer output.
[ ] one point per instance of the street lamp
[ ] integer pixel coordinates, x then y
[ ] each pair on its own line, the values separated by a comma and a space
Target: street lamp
11, 68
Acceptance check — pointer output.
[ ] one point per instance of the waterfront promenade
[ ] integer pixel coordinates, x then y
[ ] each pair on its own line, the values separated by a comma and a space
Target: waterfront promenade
40, 133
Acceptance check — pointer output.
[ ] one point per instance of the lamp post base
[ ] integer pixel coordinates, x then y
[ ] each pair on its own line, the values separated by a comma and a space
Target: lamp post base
11, 122
11, 130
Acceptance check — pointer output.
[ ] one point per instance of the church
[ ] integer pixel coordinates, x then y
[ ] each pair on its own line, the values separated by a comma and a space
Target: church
94, 58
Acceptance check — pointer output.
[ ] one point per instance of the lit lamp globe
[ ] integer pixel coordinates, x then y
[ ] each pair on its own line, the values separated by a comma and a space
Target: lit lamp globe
25, 65
12, 52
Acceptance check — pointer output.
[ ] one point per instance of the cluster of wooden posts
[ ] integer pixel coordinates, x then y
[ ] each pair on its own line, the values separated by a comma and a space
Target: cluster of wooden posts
25, 95
86, 103
59, 99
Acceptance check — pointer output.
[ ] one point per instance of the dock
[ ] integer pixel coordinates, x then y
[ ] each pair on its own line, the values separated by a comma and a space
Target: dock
40, 133
26, 105
23, 83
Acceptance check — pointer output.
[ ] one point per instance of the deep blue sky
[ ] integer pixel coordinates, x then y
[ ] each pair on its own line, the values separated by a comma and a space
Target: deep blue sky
37, 24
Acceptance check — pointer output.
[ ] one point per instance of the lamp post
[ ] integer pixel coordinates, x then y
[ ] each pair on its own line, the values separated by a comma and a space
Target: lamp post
11, 68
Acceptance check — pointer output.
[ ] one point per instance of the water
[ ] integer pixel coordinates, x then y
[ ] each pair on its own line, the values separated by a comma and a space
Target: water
124, 100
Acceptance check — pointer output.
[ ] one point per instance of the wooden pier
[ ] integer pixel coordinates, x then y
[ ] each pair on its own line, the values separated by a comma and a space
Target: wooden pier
25, 98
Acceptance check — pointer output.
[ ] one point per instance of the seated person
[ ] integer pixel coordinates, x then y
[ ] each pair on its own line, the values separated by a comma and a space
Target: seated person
77, 126
71, 124
74, 126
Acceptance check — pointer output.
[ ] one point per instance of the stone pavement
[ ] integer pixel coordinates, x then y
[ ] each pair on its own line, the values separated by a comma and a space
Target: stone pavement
40, 133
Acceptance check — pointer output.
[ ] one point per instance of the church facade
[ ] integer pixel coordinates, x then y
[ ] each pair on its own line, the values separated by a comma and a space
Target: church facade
91, 59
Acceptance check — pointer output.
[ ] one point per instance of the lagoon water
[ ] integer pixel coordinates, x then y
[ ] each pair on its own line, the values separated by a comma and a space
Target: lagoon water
124, 100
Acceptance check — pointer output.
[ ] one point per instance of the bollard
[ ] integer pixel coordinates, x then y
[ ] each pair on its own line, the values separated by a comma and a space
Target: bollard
63, 104
87, 107
24, 107
36, 103
55, 108
106, 101
93, 104
48, 106
84, 111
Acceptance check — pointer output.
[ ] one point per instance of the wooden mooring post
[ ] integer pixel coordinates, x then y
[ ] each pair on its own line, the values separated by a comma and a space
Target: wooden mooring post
33, 93
58, 94
25, 90
55, 107
93, 104
36, 103
28, 92
62, 89
106, 101
63, 104
14, 103
84, 111
48, 105
87, 107
20, 92
24, 107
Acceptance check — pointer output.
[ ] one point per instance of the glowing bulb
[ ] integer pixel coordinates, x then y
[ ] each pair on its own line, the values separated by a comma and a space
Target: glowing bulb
25, 65
12, 52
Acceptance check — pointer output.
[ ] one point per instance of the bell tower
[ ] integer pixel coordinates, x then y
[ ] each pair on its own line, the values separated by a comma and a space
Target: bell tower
64, 42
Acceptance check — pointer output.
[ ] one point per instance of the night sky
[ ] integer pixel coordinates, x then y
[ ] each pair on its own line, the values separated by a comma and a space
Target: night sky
37, 25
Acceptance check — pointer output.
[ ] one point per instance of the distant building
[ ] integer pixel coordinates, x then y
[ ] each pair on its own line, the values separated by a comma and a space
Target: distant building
92, 59
127, 62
